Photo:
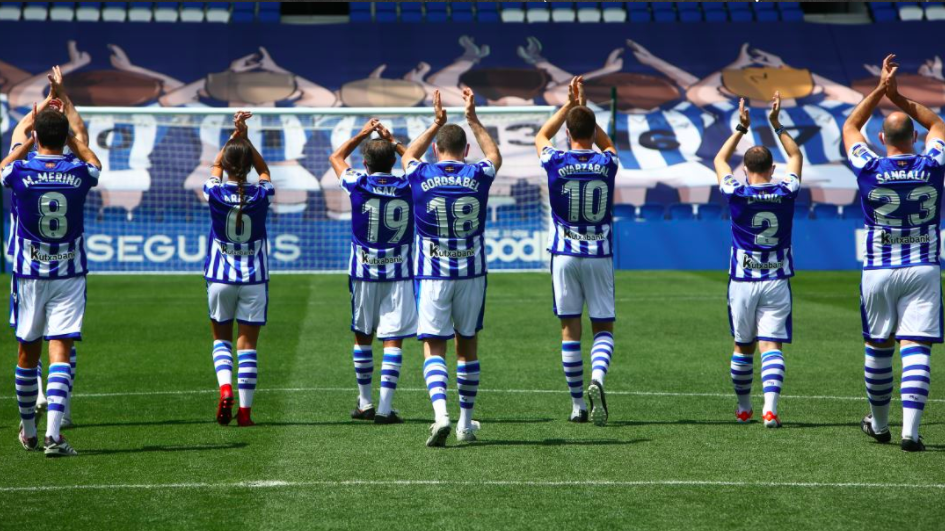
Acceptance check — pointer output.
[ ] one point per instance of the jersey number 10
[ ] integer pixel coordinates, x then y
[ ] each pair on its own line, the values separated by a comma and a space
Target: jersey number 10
581, 195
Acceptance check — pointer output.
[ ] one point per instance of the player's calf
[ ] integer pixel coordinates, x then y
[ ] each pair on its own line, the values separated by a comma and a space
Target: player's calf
741, 370
914, 389
878, 375
772, 378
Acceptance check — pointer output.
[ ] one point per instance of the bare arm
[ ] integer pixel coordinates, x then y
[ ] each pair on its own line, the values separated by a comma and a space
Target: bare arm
58, 90
918, 112
552, 126
385, 133
722, 167
421, 144
603, 141
18, 153
483, 138
862, 112
795, 157
338, 158
83, 152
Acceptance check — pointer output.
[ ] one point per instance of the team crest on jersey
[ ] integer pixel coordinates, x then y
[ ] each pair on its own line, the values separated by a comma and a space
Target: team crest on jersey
50, 165
583, 158
449, 169
902, 163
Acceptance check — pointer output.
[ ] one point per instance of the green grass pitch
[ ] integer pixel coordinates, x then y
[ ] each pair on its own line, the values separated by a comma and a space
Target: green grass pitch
671, 457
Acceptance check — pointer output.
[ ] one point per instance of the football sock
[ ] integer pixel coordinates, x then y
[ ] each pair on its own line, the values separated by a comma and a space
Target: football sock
467, 381
25, 381
601, 352
916, 377
742, 368
434, 372
363, 371
40, 397
223, 362
57, 393
246, 376
72, 360
390, 373
573, 365
878, 374
772, 377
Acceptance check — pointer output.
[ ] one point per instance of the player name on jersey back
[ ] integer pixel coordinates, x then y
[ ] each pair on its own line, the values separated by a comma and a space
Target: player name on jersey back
581, 192
381, 226
49, 193
762, 225
238, 250
449, 204
901, 199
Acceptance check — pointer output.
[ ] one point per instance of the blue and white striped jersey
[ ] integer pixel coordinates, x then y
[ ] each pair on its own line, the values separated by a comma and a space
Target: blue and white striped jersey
381, 226
901, 199
449, 206
5, 125
660, 138
581, 192
49, 193
279, 138
237, 253
762, 222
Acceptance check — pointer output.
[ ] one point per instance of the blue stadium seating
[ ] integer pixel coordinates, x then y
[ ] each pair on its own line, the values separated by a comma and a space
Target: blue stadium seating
115, 11
411, 11
910, 11
246, 11
269, 12
652, 212
384, 12
852, 211
588, 12
689, 12
714, 11
537, 12
766, 12
487, 12
461, 12
625, 211
360, 11
638, 12
436, 12
935, 11
740, 11
710, 211
36, 11
681, 211
513, 11
664, 11
825, 211
801, 210
190, 12
883, 11
563, 12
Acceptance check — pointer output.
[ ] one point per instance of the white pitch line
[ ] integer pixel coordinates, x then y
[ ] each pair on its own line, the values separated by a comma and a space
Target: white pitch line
273, 484
423, 390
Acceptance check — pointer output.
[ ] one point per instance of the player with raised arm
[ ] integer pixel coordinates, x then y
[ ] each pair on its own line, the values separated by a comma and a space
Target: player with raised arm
449, 204
761, 265
237, 266
901, 288
49, 264
380, 270
581, 191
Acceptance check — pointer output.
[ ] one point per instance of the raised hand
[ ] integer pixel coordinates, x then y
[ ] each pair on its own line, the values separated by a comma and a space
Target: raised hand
581, 95
56, 88
384, 132
775, 110
887, 77
369, 127
743, 116
239, 123
470, 98
439, 113
245, 63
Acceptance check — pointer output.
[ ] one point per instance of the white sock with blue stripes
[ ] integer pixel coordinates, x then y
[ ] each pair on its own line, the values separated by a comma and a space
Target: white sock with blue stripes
467, 381
742, 369
573, 364
914, 389
57, 393
26, 389
772, 378
390, 374
246, 376
72, 361
363, 372
223, 362
434, 372
40, 397
601, 352
878, 374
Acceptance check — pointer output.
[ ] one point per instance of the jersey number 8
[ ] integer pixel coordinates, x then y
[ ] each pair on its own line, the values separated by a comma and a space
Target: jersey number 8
53, 224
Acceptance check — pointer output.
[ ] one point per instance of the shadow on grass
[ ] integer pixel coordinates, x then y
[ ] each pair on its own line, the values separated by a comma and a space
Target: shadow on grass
682, 422
515, 421
336, 423
553, 442
143, 423
166, 448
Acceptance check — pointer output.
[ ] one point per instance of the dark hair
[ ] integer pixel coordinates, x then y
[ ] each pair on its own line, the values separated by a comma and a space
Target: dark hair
379, 155
758, 159
582, 124
237, 161
451, 139
52, 128
899, 132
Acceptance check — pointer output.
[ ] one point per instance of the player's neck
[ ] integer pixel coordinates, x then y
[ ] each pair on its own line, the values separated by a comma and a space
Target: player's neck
40, 150
444, 157
756, 178
893, 151
582, 144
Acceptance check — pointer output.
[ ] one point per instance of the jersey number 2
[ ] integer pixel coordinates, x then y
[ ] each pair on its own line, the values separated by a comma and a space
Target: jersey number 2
766, 238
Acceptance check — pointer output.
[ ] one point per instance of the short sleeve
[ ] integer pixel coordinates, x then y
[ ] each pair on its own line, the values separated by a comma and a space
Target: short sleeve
266, 190
730, 185
792, 183
93, 172
861, 155
549, 154
350, 179
6, 173
414, 167
935, 150
486, 168
211, 183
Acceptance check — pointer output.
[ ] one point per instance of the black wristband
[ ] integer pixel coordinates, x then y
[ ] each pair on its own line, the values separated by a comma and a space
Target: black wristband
780, 130
741, 129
